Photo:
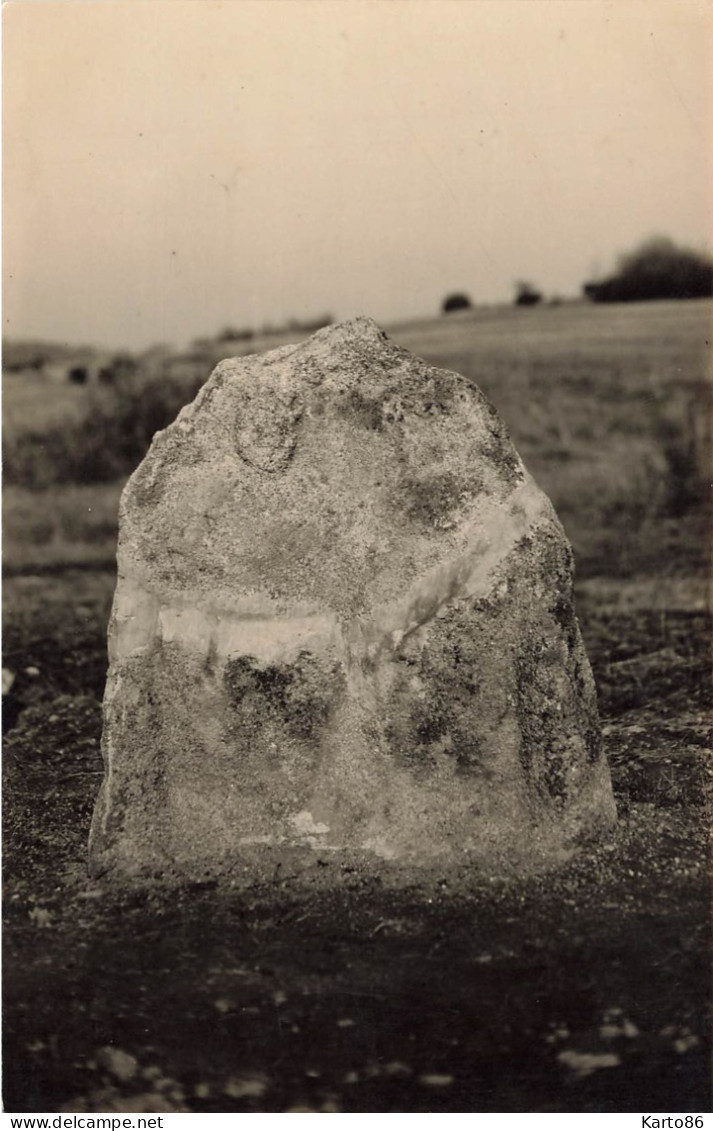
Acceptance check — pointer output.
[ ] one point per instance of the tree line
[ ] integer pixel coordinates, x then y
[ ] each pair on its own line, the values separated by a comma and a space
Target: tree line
656, 269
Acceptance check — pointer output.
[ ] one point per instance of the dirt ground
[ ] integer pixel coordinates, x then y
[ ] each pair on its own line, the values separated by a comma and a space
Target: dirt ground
581, 989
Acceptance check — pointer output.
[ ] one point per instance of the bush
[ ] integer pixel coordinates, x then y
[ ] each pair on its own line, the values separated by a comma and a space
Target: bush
105, 444
656, 269
456, 302
231, 334
526, 294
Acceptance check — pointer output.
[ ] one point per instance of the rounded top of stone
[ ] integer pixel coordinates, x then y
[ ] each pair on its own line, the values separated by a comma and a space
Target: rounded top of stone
362, 327
356, 338
330, 471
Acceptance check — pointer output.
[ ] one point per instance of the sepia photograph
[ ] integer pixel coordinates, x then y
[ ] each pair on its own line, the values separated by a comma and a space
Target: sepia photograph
356, 541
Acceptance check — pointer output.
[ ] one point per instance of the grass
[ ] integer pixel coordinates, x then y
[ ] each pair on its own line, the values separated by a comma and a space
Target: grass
610, 407
31, 403
610, 410
69, 525
106, 441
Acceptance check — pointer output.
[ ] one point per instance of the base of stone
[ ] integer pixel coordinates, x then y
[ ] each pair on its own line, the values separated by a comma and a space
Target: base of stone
505, 852
304, 868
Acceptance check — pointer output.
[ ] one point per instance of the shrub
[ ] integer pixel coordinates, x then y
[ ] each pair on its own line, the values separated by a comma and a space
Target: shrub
106, 443
656, 269
456, 302
232, 334
685, 439
526, 294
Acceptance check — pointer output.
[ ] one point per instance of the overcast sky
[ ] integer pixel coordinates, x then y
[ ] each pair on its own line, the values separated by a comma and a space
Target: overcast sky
174, 166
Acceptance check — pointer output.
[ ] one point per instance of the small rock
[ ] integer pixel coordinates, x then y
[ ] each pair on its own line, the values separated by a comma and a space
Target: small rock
246, 1087
32, 671
435, 1079
686, 1043
119, 1064
109, 1100
617, 1025
165, 1084
40, 917
559, 1033
397, 1069
583, 1064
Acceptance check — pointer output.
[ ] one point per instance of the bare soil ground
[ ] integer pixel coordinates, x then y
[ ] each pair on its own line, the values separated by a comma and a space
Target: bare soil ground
585, 988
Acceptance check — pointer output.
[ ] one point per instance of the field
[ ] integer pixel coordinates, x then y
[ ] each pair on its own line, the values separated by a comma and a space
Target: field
584, 989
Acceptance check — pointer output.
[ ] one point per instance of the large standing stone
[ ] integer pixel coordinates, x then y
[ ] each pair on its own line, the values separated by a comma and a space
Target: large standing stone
343, 621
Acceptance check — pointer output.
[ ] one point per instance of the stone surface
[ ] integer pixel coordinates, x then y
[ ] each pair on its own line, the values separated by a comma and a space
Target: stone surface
344, 624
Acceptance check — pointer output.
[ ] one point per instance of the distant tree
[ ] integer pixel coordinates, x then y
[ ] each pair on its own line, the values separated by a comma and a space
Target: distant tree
657, 268
526, 294
457, 301
232, 334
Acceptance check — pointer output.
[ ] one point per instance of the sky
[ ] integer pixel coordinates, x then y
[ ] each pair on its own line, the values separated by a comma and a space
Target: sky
173, 167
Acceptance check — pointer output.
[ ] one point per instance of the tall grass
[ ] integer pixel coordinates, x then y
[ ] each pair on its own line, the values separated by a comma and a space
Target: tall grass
105, 443
64, 525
